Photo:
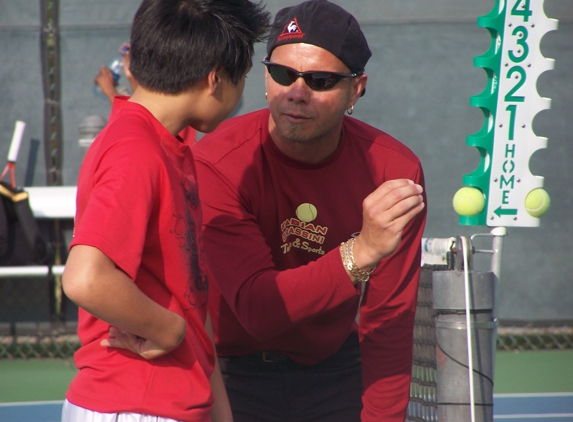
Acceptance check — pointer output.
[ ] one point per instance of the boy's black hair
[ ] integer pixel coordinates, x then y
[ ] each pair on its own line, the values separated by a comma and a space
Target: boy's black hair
174, 43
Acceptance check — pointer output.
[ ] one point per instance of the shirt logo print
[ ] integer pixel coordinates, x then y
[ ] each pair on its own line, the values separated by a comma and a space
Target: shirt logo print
186, 232
305, 233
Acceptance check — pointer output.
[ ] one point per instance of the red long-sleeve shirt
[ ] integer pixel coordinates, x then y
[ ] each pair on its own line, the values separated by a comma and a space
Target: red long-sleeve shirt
272, 229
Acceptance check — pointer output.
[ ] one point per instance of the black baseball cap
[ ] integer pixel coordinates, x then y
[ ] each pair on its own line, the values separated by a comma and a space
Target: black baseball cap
325, 25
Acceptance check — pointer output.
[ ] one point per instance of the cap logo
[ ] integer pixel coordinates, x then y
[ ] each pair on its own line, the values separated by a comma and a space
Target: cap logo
291, 31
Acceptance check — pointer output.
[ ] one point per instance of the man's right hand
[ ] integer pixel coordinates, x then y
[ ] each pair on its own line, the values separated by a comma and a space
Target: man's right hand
386, 212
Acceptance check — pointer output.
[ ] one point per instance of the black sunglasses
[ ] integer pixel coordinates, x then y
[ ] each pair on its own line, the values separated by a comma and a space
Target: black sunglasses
317, 81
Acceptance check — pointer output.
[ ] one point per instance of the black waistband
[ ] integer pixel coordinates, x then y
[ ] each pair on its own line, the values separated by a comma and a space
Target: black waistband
272, 357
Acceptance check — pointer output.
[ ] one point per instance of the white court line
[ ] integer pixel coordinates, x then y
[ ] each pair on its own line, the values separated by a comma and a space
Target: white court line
525, 395
533, 416
31, 403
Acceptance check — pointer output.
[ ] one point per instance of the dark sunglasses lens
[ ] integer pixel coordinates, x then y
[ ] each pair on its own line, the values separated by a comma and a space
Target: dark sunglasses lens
281, 75
318, 81
321, 81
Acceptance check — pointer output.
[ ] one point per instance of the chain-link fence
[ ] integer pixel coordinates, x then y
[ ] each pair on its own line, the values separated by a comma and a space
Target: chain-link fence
535, 335
30, 329
36, 320
38, 340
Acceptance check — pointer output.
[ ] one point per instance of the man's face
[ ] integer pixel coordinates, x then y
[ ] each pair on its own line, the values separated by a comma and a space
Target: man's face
300, 114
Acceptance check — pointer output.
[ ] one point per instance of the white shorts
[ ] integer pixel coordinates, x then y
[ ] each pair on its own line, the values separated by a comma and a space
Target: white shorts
73, 413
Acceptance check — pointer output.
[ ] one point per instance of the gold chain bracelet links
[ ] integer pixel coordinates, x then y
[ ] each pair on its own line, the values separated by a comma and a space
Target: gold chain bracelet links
347, 255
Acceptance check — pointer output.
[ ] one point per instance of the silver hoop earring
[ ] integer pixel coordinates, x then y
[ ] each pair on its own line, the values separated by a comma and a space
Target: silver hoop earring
266, 96
350, 110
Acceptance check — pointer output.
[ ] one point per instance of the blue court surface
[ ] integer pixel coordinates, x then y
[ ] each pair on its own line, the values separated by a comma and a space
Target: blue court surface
543, 407
41, 411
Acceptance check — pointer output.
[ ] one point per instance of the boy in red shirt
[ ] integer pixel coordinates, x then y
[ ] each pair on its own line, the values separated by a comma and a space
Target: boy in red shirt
135, 266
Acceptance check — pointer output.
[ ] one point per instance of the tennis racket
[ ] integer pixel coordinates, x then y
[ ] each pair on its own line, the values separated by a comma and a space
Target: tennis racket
13, 152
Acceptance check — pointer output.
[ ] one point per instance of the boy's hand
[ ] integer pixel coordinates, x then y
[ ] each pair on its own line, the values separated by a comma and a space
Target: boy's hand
124, 340
93, 282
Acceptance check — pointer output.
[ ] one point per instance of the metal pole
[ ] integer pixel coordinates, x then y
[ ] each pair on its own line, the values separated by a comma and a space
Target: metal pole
50, 53
461, 396
498, 233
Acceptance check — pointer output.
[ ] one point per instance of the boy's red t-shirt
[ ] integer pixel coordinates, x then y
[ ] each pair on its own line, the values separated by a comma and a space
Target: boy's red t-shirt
138, 203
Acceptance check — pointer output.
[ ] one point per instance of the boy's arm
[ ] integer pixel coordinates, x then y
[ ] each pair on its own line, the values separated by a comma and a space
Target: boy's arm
221, 411
93, 282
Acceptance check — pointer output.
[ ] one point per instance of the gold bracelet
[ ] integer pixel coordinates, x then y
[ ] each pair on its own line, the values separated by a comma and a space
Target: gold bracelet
347, 255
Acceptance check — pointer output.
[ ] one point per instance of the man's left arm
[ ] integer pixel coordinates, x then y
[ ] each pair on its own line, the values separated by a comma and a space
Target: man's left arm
386, 326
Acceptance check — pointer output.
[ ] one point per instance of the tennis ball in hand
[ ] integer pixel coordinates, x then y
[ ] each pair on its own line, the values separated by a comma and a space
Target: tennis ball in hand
537, 202
468, 201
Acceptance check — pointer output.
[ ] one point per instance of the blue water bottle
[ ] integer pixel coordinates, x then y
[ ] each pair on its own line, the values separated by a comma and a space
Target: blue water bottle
116, 67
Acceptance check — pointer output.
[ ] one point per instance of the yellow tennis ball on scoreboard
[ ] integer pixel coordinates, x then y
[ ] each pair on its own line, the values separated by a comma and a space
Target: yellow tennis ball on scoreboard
537, 202
468, 201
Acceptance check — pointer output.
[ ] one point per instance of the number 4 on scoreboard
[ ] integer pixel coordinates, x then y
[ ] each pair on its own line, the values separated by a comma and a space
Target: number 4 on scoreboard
524, 10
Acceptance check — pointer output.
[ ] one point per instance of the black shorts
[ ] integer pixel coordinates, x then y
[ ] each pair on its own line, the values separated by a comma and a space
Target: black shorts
267, 387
